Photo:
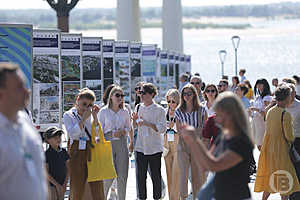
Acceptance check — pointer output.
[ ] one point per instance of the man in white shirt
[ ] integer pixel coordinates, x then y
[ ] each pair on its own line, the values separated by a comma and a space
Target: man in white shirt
151, 122
22, 173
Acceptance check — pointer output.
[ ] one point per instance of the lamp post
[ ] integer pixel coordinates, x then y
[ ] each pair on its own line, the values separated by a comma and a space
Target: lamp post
235, 42
222, 56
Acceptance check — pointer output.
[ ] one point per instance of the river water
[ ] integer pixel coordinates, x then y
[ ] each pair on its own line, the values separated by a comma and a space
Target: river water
269, 49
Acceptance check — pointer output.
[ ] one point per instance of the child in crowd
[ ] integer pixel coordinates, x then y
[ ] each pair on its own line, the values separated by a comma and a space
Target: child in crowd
57, 160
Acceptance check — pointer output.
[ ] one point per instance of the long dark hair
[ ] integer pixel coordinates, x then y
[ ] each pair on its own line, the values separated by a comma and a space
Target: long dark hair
266, 90
196, 100
106, 93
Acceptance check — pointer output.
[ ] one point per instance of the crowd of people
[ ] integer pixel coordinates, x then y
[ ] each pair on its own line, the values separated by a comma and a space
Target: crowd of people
206, 134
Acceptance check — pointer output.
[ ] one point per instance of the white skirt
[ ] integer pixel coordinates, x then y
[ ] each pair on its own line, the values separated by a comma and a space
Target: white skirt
258, 128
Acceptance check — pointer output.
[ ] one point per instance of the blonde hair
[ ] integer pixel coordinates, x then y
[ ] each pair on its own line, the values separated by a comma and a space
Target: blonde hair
196, 100
174, 93
86, 93
112, 92
229, 103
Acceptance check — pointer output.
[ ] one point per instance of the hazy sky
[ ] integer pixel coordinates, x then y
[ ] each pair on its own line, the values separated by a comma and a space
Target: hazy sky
24, 4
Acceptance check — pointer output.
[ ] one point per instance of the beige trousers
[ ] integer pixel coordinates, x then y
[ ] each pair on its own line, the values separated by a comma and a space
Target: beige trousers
185, 161
172, 168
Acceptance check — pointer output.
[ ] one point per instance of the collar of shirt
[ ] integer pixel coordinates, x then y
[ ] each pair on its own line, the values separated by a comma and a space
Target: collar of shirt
4, 122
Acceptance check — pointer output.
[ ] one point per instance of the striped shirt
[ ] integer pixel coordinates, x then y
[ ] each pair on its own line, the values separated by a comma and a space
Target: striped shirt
190, 118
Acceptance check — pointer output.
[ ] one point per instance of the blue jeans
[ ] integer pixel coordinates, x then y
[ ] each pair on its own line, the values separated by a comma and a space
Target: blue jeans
208, 189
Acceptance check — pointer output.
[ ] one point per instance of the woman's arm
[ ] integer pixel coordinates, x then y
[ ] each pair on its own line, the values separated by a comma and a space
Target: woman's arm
205, 159
288, 127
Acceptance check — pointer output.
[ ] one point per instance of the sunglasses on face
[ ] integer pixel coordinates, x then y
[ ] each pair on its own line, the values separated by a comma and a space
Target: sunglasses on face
210, 91
137, 88
142, 92
171, 101
188, 94
119, 95
87, 105
221, 85
195, 83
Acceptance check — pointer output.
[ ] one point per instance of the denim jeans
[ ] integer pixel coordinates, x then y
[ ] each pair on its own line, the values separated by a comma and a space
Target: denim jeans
208, 189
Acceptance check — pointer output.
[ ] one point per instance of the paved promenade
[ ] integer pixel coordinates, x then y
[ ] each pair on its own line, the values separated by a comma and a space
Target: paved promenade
131, 184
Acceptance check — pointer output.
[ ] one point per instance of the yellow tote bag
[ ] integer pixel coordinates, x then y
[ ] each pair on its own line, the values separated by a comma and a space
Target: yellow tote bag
101, 166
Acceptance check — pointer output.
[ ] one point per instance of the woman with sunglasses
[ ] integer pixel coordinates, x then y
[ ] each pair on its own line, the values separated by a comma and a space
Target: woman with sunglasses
170, 142
78, 123
115, 120
210, 95
192, 113
196, 81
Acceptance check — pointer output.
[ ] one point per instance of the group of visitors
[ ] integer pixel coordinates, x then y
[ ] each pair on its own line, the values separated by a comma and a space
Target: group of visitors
206, 134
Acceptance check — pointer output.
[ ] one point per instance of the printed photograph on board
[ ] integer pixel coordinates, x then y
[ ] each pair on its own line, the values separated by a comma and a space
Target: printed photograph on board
45, 69
49, 103
70, 68
123, 65
91, 67
49, 117
108, 68
107, 82
135, 67
163, 69
71, 87
49, 89
92, 84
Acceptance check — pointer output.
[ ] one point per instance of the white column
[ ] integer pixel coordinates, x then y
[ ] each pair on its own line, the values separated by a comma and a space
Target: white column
172, 25
128, 20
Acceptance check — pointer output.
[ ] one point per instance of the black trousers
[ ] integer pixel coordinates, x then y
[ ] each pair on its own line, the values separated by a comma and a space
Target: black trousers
296, 195
142, 162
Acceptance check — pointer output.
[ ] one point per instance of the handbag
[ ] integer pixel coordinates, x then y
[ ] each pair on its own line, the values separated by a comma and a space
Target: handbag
101, 166
294, 155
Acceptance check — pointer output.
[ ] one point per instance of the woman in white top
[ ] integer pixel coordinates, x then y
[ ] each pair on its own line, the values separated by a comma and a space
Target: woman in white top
78, 122
263, 99
210, 94
170, 142
115, 120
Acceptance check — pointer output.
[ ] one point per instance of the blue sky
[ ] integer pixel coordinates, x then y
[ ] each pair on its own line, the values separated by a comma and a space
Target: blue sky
37, 4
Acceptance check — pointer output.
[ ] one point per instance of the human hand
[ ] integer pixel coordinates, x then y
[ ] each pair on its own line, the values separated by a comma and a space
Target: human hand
141, 122
95, 110
187, 133
171, 124
134, 116
86, 114
130, 148
60, 189
117, 134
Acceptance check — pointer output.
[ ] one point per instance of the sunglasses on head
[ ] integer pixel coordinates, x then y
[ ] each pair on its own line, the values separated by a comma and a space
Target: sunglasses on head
171, 101
119, 95
188, 94
195, 83
137, 88
87, 105
212, 91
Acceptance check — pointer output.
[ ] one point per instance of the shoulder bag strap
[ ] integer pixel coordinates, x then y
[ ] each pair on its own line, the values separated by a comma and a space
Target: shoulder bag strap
282, 115
85, 129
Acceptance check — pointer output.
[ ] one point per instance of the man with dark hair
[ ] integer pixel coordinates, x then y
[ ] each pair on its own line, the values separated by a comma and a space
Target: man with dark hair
184, 79
242, 75
151, 122
21, 155
223, 85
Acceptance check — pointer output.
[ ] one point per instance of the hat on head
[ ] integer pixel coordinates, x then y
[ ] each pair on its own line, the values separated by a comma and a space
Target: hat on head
52, 132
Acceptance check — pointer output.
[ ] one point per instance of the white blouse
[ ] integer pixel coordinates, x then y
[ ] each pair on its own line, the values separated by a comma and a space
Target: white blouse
113, 121
71, 120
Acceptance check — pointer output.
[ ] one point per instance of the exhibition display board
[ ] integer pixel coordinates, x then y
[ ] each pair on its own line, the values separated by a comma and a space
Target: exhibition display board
71, 64
122, 67
46, 95
149, 63
108, 63
135, 66
92, 65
